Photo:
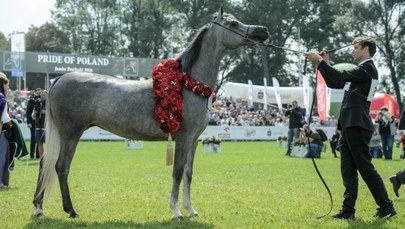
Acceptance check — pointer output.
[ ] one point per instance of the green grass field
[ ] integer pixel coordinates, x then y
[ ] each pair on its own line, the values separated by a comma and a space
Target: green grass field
247, 185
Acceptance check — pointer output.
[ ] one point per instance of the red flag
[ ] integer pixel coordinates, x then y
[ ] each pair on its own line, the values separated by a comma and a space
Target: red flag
321, 93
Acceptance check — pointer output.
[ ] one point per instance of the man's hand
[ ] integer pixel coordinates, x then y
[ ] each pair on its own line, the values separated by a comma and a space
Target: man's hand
317, 57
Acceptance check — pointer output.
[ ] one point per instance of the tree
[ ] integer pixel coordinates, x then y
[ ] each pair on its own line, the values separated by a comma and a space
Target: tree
384, 20
45, 38
4, 42
280, 17
146, 26
91, 25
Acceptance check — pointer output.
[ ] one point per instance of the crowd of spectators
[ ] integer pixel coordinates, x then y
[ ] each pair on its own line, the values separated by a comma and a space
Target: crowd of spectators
235, 112
225, 112
17, 105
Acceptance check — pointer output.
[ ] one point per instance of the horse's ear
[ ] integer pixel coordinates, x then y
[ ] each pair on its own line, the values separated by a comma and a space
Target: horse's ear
219, 15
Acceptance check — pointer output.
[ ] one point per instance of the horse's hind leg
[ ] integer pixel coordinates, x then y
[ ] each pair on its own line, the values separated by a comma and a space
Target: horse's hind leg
187, 177
62, 169
39, 194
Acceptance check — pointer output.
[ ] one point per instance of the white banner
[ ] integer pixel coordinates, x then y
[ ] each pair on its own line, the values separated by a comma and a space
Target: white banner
222, 132
265, 94
305, 90
250, 94
276, 86
18, 42
287, 94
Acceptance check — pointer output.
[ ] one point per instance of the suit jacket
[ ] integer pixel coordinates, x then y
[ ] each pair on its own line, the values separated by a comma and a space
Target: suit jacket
355, 110
30, 109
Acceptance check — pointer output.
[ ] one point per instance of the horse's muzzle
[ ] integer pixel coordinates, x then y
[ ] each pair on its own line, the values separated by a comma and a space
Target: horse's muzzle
258, 33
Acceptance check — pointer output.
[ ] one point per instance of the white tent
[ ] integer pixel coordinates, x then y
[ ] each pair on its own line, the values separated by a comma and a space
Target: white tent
287, 94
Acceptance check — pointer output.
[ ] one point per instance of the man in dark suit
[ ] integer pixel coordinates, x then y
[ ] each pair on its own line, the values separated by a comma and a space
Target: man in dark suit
356, 126
399, 178
31, 123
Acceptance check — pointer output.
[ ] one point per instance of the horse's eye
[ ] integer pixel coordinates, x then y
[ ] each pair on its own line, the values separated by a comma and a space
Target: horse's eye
234, 23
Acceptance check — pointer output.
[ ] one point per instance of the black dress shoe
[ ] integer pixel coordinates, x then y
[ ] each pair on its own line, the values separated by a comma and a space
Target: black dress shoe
385, 213
344, 215
395, 184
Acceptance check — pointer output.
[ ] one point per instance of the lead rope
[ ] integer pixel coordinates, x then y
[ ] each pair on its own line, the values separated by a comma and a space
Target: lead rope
313, 160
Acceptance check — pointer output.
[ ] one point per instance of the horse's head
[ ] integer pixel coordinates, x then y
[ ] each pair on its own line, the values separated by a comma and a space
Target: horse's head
235, 33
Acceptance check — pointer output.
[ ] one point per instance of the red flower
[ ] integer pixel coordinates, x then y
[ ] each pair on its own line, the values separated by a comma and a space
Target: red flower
207, 92
168, 84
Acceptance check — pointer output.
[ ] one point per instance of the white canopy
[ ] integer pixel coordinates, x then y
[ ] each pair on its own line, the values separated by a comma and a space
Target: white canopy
287, 94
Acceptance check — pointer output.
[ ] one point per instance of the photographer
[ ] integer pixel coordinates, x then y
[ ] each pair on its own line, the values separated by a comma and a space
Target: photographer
34, 96
387, 131
38, 115
315, 142
296, 121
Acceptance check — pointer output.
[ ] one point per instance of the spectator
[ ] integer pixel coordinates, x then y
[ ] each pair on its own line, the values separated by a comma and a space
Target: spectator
334, 142
401, 140
332, 121
399, 179
39, 116
387, 130
296, 117
4, 144
375, 144
315, 142
31, 123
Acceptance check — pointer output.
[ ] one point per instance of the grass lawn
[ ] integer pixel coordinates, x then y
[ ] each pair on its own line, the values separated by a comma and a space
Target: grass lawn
247, 185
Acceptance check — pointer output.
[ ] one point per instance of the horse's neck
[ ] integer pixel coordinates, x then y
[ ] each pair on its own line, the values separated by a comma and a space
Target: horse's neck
206, 68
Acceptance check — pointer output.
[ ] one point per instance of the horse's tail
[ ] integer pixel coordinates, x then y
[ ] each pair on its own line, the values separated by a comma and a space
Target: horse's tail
48, 176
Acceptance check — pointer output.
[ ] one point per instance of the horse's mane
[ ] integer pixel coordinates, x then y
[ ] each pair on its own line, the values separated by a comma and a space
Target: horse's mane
188, 57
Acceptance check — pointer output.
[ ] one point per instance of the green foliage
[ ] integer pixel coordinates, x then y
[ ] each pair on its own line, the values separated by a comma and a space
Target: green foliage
247, 185
159, 28
4, 42
47, 38
92, 25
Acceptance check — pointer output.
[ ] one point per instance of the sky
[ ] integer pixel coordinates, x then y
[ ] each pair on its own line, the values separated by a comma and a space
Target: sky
18, 15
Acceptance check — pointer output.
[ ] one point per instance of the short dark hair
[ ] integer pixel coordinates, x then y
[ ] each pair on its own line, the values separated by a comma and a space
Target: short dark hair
366, 41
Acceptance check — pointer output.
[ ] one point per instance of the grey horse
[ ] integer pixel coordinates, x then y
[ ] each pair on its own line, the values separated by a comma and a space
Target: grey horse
78, 101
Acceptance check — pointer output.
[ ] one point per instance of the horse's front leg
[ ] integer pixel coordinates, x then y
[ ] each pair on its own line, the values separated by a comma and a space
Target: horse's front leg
178, 169
174, 197
187, 177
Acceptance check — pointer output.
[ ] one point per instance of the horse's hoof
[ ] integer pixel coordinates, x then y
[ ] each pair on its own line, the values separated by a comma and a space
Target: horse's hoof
73, 215
195, 214
38, 212
179, 217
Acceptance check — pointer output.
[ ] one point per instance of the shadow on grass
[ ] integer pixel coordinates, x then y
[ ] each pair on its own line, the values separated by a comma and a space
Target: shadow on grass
45, 222
378, 223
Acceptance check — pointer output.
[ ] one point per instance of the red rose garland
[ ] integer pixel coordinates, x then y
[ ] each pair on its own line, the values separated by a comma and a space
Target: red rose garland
168, 84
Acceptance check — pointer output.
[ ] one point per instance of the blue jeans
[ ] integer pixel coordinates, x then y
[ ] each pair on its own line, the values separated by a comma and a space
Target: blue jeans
314, 151
387, 142
293, 133
376, 152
